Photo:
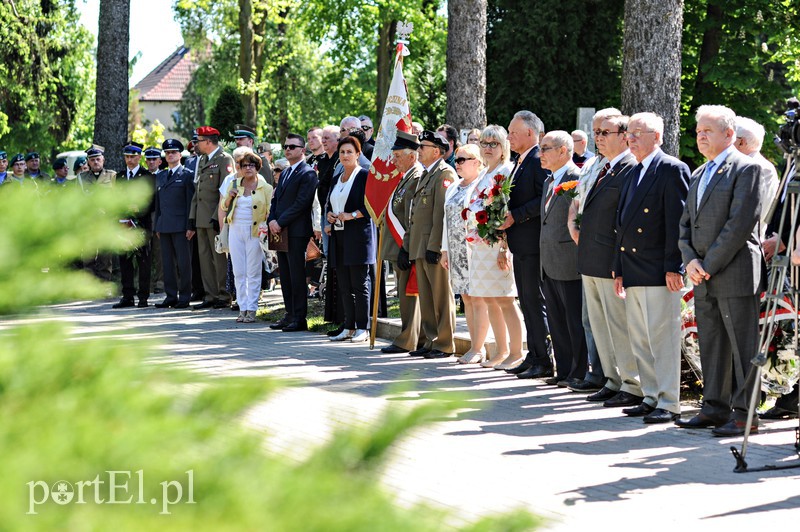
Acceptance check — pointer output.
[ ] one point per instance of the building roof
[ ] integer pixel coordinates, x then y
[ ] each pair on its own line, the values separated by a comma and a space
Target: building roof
168, 81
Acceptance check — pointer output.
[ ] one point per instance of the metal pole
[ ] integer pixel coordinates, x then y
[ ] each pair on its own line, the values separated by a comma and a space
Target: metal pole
376, 288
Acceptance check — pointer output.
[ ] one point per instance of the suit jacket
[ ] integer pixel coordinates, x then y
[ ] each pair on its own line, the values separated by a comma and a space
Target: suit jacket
597, 244
210, 174
292, 200
358, 235
559, 253
400, 204
647, 234
525, 205
173, 200
427, 211
723, 232
141, 216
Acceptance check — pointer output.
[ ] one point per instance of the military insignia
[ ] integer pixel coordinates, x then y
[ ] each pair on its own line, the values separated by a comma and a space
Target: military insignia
446, 183
229, 168
424, 200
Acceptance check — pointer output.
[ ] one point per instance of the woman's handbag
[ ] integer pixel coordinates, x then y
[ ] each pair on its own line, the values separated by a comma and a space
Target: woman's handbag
312, 250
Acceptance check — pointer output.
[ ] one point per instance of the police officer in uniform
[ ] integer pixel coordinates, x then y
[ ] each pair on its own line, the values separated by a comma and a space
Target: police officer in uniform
152, 158
246, 136
423, 244
213, 166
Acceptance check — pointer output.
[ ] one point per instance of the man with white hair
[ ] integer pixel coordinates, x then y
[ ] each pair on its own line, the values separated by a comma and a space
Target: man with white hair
648, 270
749, 139
581, 153
719, 241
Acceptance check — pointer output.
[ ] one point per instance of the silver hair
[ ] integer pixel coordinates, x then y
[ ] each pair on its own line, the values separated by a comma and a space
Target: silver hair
605, 114
581, 133
653, 122
361, 118
531, 121
499, 134
562, 138
723, 116
751, 131
282, 164
331, 129
239, 152
350, 119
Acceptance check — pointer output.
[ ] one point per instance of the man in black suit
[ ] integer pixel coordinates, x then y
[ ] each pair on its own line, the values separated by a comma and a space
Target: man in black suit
173, 201
523, 228
290, 212
719, 240
648, 270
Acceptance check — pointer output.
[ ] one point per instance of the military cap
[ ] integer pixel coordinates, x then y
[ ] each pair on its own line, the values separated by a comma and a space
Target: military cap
194, 136
17, 158
80, 161
3, 155
172, 145
405, 141
434, 137
132, 148
59, 163
152, 153
31, 155
242, 131
95, 151
207, 131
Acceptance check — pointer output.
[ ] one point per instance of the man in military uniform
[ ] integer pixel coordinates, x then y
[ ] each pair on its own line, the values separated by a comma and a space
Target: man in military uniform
99, 263
404, 153
138, 217
18, 170
3, 167
423, 244
32, 162
246, 136
213, 166
80, 165
152, 158
60, 171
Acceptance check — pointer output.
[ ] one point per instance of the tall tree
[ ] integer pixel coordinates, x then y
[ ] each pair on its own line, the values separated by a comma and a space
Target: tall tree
466, 63
111, 117
651, 71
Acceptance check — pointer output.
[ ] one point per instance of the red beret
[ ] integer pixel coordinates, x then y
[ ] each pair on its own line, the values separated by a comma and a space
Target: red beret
207, 131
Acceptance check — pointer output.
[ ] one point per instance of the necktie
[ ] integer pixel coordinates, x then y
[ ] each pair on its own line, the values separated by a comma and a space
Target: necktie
514, 170
600, 176
285, 177
130, 174
632, 185
706, 177
550, 188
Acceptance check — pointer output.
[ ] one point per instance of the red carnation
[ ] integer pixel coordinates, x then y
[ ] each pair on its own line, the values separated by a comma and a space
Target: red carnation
464, 213
481, 217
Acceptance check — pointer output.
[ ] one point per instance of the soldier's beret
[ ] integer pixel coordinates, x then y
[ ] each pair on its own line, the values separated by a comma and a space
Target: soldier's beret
152, 153
132, 148
172, 145
435, 138
17, 158
207, 131
405, 141
31, 155
3, 156
59, 163
80, 161
242, 131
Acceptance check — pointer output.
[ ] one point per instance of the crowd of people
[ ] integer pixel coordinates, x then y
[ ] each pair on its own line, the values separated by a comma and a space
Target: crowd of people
590, 251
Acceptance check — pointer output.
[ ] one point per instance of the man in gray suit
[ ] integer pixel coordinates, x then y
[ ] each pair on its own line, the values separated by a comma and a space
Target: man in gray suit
559, 263
719, 241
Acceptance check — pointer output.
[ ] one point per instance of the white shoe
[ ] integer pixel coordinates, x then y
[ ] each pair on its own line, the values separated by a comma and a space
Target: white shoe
342, 336
361, 335
475, 357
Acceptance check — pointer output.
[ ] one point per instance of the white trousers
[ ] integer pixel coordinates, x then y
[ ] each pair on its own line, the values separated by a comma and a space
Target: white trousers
246, 259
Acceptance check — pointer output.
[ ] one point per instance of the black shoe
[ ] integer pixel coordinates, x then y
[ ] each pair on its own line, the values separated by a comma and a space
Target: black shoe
336, 332
777, 412
142, 303
393, 349
421, 352
221, 304
124, 303
602, 395
435, 353
182, 304
203, 305
551, 381
519, 369
234, 306
734, 428
640, 410
566, 383
536, 371
623, 399
167, 303
584, 387
278, 325
659, 415
196, 296
700, 421
295, 327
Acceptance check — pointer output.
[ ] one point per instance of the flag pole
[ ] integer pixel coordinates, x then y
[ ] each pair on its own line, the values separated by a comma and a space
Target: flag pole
376, 289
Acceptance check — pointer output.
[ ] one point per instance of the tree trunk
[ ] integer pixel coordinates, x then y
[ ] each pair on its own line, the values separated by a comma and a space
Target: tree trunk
466, 64
283, 78
651, 68
246, 60
709, 51
386, 47
111, 104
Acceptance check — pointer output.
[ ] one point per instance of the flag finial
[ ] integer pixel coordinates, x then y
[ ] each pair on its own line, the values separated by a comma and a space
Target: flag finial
404, 29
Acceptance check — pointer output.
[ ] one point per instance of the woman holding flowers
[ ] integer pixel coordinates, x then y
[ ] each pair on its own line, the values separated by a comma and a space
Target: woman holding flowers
490, 268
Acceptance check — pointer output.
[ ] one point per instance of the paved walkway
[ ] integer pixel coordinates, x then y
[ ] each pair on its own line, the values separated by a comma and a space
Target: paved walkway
519, 443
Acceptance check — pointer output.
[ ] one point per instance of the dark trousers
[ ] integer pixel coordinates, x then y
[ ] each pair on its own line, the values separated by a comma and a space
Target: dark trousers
354, 290
292, 265
531, 300
176, 258
564, 301
197, 278
139, 259
727, 331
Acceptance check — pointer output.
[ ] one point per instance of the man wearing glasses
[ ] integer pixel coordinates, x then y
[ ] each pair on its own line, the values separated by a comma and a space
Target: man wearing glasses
348, 125
245, 135
290, 214
369, 133
213, 166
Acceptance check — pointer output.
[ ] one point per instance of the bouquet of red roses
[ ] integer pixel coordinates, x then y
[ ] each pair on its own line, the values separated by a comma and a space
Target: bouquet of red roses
490, 208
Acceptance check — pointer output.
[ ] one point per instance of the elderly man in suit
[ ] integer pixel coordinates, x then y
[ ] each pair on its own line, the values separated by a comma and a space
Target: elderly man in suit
523, 227
290, 213
649, 271
598, 200
719, 240
423, 244
559, 254
749, 138
404, 154
212, 168
173, 202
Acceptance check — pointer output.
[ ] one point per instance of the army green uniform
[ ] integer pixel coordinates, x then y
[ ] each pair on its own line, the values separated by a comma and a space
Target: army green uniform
99, 263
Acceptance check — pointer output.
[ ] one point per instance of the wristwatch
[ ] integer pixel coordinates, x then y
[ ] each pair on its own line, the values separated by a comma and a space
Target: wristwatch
354, 214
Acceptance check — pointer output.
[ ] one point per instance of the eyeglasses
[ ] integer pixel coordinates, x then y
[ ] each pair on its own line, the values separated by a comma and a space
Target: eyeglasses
492, 145
630, 135
548, 148
427, 146
287, 147
247, 165
606, 132
462, 160
366, 128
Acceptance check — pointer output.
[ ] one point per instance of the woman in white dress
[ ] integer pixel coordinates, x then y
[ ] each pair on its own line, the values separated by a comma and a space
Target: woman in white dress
491, 274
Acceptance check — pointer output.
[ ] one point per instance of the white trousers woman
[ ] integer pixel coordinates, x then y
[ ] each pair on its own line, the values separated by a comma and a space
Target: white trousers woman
246, 256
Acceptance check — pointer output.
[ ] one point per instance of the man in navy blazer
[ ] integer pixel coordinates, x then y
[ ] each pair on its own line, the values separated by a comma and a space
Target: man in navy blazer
173, 201
719, 240
523, 228
290, 210
649, 271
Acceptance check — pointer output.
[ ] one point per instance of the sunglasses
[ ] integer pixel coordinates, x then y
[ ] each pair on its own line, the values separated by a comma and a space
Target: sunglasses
492, 145
366, 128
462, 160
606, 132
287, 147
